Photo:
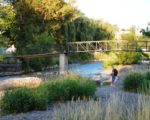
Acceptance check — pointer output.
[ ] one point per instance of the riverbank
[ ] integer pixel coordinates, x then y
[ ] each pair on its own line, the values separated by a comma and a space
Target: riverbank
103, 92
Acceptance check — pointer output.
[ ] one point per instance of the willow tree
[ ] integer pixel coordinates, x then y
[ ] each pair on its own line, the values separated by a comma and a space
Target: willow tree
85, 29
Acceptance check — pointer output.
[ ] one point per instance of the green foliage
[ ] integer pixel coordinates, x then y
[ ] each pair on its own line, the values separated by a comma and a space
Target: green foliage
23, 100
2, 56
126, 58
131, 35
76, 57
137, 82
146, 31
109, 62
7, 19
37, 20
145, 86
37, 64
85, 29
42, 26
128, 36
123, 58
40, 100
133, 81
147, 75
61, 89
68, 88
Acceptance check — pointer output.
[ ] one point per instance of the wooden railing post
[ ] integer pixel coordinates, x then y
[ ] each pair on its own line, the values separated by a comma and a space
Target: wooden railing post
77, 47
117, 46
106, 46
96, 46
127, 47
87, 48
146, 46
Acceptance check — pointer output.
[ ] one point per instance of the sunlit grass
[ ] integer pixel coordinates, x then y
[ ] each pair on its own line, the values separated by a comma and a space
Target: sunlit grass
118, 107
12, 83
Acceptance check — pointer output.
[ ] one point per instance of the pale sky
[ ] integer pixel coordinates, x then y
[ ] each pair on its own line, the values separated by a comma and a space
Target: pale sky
124, 13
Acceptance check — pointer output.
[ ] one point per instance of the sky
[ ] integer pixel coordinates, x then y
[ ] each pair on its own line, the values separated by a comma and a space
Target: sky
123, 13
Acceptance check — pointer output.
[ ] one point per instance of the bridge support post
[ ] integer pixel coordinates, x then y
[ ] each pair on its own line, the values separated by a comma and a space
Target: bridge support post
63, 63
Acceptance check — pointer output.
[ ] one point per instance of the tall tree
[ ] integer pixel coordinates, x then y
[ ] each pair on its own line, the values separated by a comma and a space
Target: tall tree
146, 32
7, 19
37, 17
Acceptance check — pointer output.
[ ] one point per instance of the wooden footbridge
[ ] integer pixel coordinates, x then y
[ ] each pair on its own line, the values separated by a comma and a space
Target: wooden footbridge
79, 47
109, 46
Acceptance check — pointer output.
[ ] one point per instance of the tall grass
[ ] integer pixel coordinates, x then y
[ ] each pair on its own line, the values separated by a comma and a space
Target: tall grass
62, 89
23, 100
67, 87
118, 107
137, 81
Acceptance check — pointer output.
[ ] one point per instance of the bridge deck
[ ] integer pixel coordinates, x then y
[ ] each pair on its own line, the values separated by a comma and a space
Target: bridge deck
109, 45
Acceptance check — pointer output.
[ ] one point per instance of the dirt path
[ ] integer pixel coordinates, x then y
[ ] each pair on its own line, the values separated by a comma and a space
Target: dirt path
104, 92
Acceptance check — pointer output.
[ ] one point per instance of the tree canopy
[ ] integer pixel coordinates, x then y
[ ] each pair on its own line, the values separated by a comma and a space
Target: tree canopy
146, 32
36, 26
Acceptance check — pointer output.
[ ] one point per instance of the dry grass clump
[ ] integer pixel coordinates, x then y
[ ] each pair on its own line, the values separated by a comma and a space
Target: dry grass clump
11, 83
118, 107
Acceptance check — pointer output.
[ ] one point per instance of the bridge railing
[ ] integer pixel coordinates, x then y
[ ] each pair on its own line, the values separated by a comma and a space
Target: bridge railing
108, 45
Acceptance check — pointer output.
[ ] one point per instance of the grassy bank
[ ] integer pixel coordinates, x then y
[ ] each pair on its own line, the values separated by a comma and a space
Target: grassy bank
61, 89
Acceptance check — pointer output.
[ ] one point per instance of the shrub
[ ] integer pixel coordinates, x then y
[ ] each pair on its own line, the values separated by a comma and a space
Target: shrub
145, 86
76, 57
23, 100
73, 87
86, 88
126, 58
138, 82
63, 89
68, 87
17, 101
133, 81
40, 100
109, 62
147, 75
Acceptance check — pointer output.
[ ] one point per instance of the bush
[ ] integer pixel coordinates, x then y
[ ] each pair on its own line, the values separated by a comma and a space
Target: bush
147, 75
40, 100
86, 88
123, 58
137, 82
133, 81
23, 100
63, 89
57, 92
145, 86
37, 64
109, 62
126, 58
76, 57
68, 88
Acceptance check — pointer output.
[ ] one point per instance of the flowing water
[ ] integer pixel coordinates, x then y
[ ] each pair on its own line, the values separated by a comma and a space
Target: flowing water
92, 69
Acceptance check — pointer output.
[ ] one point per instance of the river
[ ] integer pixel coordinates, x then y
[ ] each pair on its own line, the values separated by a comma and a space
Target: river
92, 69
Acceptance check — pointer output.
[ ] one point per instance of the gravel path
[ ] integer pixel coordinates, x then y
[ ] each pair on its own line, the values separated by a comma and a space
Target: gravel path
103, 92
